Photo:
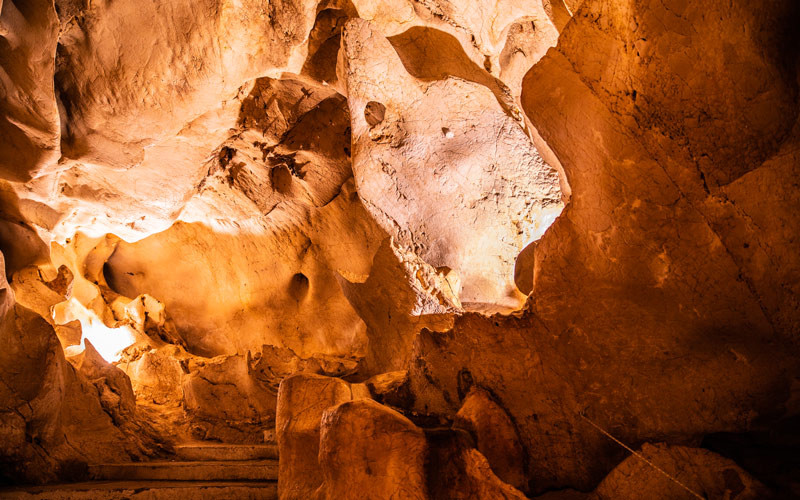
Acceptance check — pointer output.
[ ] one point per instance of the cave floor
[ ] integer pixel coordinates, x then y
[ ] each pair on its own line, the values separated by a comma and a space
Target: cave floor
198, 470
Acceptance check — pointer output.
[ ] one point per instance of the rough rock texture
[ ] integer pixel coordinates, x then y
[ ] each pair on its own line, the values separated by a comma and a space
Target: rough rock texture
664, 304
186, 169
224, 402
457, 471
302, 399
424, 178
703, 472
391, 389
367, 450
661, 471
217, 195
30, 122
495, 435
53, 420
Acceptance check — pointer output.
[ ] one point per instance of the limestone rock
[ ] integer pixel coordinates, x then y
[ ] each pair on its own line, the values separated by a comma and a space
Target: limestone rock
422, 128
400, 296
660, 305
391, 389
51, 415
457, 470
495, 434
156, 374
588, 209
225, 402
291, 199
705, 473
302, 399
370, 451
258, 40
272, 364
116, 392
30, 123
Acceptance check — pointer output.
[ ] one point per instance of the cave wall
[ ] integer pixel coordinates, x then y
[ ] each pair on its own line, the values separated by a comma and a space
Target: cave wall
236, 184
664, 304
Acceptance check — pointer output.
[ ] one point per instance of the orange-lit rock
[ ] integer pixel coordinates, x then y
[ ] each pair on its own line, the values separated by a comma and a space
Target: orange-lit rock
525, 229
701, 471
367, 450
302, 400
428, 168
54, 420
456, 470
495, 434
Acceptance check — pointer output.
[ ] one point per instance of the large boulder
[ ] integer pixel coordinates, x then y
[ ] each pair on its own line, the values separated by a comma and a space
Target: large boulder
495, 434
391, 389
225, 402
677, 473
302, 399
369, 451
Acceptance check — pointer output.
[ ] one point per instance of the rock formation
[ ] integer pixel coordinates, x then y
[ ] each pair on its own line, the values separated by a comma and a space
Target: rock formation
370, 451
302, 400
427, 248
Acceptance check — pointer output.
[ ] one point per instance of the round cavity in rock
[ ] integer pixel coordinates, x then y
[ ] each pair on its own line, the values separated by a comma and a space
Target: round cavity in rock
447, 132
298, 286
281, 179
374, 113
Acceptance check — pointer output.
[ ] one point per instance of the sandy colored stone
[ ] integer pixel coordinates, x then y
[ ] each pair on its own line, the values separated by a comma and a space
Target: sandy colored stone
302, 400
701, 471
495, 434
53, 417
368, 450
30, 123
391, 389
400, 296
114, 386
272, 364
293, 200
225, 402
425, 128
225, 192
456, 470
659, 308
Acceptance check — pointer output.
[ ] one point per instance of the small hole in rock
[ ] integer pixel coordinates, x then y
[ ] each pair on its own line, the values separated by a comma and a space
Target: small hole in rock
281, 179
374, 113
298, 286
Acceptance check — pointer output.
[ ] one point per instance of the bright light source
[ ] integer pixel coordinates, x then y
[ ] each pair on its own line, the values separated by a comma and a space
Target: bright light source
109, 342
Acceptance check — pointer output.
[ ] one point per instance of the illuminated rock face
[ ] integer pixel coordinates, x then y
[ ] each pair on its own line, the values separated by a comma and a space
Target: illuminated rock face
55, 416
215, 196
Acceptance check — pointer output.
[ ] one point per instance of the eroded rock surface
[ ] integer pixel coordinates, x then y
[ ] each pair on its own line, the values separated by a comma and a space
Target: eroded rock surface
456, 470
692, 472
427, 163
226, 197
53, 420
302, 400
650, 311
495, 434
367, 450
